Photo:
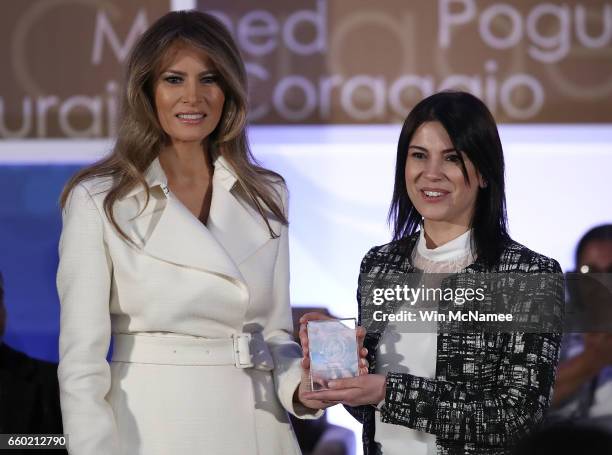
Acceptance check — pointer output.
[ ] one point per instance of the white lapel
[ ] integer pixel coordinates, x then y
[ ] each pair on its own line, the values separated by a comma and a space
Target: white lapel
167, 230
233, 222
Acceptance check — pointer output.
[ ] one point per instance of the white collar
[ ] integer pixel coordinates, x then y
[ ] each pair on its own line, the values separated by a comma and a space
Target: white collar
458, 247
155, 176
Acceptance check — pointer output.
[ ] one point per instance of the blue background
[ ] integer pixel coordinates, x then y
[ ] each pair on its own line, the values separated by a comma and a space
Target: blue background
30, 226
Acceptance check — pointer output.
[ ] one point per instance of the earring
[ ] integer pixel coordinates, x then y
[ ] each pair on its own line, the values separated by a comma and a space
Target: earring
485, 183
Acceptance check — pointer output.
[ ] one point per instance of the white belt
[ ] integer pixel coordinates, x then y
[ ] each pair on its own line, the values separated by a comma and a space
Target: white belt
243, 350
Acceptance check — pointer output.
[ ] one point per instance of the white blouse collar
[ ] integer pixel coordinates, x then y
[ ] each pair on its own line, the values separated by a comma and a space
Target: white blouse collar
456, 248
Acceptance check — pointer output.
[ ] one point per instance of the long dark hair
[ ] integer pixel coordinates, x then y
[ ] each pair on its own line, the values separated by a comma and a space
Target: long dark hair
473, 132
141, 137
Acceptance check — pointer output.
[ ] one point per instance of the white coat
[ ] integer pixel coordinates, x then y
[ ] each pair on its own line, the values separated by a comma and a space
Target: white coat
183, 279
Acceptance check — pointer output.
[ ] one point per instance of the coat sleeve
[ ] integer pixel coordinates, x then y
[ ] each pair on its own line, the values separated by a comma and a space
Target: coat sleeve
496, 412
286, 353
494, 416
360, 413
83, 283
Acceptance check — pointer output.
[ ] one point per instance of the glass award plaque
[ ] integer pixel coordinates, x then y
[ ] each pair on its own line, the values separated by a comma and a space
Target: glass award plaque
333, 351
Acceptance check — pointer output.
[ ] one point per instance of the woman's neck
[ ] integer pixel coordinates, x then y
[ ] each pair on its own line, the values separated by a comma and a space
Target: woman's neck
437, 233
186, 161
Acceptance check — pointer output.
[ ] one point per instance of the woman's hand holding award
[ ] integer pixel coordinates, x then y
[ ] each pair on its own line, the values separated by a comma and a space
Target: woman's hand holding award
333, 352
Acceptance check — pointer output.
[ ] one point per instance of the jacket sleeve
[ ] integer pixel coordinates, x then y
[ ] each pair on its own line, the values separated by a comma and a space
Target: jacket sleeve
83, 283
494, 412
286, 353
370, 342
495, 416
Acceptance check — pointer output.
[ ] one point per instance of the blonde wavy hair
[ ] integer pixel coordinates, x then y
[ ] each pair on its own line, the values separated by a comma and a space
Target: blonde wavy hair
141, 137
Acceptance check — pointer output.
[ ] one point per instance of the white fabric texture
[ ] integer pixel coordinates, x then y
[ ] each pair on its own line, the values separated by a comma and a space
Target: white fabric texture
181, 278
415, 353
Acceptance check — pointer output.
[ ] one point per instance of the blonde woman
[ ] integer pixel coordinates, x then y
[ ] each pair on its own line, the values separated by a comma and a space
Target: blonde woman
175, 246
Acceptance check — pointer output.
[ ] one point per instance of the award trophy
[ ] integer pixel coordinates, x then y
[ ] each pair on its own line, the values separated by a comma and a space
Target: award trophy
333, 351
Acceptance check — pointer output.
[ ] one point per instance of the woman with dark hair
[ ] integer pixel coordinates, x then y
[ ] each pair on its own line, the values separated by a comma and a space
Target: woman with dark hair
176, 245
462, 391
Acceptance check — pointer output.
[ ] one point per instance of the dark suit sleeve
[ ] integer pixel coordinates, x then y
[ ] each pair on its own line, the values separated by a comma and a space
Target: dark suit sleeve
500, 406
359, 412
51, 416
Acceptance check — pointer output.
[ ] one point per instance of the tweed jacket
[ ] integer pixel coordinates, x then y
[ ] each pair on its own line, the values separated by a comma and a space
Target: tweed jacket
489, 388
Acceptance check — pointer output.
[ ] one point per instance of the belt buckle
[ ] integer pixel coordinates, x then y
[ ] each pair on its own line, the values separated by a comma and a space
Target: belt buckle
242, 351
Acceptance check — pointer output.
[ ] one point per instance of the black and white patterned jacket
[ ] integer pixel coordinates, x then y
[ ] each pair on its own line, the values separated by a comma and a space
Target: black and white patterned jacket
489, 388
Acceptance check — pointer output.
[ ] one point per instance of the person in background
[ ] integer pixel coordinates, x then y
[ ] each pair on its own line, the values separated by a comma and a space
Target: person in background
29, 392
583, 389
566, 439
